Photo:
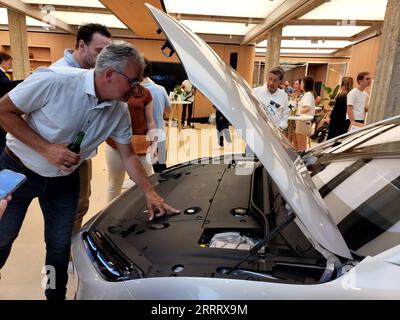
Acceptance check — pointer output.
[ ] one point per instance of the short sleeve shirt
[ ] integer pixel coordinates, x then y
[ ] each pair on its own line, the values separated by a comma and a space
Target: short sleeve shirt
58, 102
358, 99
275, 104
160, 101
308, 100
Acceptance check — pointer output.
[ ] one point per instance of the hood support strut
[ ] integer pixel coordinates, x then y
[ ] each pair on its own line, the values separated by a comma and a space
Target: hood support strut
264, 241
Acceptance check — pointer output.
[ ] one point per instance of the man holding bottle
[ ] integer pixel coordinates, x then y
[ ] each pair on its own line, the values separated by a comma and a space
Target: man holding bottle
58, 103
90, 40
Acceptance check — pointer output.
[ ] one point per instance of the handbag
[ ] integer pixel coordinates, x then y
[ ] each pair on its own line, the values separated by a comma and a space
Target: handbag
321, 133
140, 144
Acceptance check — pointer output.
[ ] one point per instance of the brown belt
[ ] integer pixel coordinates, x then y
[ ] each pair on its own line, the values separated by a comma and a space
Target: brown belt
13, 156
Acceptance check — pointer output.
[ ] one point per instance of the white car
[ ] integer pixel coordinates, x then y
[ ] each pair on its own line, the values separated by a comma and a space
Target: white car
323, 225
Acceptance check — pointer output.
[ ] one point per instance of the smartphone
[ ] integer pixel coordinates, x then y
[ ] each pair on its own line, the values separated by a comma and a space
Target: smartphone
9, 182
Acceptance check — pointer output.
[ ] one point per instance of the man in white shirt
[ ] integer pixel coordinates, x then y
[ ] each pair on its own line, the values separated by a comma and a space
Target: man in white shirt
43, 115
357, 99
90, 40
274, 99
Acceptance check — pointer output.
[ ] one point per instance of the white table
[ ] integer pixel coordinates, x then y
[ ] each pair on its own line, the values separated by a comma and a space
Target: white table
301, 117
176, 111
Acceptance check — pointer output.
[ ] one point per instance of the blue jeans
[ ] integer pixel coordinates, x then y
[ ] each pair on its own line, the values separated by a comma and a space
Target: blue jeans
58, 199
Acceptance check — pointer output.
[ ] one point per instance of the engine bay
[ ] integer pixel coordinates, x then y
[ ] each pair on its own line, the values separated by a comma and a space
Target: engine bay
223, 215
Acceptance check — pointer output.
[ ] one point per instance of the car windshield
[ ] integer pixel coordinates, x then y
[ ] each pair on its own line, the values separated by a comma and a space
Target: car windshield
381, 140
358, 176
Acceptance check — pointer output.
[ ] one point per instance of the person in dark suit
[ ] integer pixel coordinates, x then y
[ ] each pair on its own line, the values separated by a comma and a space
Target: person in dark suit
222, 128
6, 85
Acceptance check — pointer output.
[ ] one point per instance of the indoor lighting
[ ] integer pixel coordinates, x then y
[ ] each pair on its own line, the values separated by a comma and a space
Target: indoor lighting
322, 31
30, 22
337, 44
230, 8
213, 27
308, 51
260, 49
319, 44
349, 10
75, 3
81, 18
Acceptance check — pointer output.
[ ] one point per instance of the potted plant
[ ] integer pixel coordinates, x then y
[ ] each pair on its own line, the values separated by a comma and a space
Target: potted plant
331, 95
177, 91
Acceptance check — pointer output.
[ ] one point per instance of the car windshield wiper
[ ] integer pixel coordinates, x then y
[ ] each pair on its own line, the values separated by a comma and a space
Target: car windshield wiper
264, 241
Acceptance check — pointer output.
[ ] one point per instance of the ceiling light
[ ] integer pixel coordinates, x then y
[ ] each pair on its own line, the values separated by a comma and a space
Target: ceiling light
81, 18
308, 51
349, 10
75, 3
213, 27
229, 8
310, 44
30, 22
321, 31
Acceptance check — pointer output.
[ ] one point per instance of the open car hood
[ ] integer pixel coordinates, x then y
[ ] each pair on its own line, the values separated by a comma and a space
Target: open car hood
234, 98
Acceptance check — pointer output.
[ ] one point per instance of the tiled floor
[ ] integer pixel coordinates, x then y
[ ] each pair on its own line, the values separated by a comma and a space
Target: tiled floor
21, 277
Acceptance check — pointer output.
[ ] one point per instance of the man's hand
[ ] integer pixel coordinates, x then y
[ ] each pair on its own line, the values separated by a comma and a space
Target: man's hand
157, 206
3, 205
61, 157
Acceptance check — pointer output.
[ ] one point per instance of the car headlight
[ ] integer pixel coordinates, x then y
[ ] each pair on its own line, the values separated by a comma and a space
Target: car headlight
111, 264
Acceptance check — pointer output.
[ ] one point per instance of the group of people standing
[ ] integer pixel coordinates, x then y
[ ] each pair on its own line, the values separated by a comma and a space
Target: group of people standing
87, 90
351, 104
103, 88
276, 102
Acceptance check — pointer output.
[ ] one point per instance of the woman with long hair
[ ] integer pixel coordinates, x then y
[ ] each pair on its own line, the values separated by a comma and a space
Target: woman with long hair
337, 119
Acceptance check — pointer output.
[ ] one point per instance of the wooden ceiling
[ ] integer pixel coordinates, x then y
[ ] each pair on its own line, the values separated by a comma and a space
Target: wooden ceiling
140, 24
135, 16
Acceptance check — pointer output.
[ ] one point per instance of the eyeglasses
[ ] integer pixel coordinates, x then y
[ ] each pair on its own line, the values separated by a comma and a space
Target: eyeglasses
134, 82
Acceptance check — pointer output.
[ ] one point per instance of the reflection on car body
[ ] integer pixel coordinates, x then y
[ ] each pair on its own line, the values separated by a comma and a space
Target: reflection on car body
342, 194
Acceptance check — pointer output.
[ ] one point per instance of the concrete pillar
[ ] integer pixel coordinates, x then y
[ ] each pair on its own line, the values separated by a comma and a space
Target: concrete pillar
273, 49
385, 95
19, 44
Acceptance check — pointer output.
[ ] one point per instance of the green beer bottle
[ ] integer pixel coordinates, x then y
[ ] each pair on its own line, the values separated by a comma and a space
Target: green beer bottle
76, 145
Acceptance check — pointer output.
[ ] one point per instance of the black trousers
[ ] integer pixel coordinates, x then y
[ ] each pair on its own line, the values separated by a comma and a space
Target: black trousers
189, 118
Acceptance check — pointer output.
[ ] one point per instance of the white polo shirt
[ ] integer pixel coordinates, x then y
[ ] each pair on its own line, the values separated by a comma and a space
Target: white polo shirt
58, 102
276, 104
358, 99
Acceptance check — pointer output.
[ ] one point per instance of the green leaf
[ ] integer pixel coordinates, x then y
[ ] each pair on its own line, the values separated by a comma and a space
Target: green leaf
328, 90
335, 92
177, 89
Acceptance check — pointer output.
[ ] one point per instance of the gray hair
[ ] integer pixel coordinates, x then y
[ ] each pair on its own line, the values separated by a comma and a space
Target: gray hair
278, 71
117, 55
